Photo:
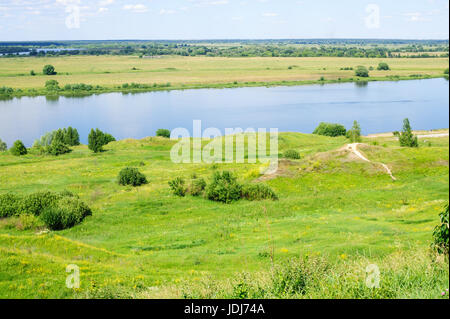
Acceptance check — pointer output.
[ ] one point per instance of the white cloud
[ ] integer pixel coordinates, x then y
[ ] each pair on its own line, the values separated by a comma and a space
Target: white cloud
138, 8
164, 11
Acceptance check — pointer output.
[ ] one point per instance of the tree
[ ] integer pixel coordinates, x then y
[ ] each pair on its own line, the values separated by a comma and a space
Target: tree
3, 146
71, 136
362, 71
406, 137
97, 139
163, 133
18, 148
354, 134
32, 73
49, 70
383, 67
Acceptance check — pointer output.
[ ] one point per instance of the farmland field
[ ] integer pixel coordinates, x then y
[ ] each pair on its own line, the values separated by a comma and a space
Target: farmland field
110, 71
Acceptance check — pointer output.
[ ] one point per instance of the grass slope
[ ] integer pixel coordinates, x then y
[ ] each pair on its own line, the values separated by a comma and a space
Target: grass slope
145, 242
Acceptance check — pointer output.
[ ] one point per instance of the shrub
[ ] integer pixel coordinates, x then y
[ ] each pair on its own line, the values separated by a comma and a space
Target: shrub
446, 71
3, 146
292, 154
9, 204
27, 221
330, 129
354, 134
177, 186
131, 176
383, 67
18, 148
224, 188
406, 137
163, 133
441, 233
197, 187
57, 148
258, 192
35, 203
32, 73
49, 70
67, 213
362, 71
97, 139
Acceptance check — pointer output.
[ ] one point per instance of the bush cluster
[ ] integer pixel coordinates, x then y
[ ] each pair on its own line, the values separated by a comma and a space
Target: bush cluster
291, 154
330, 129
57, 142
163, 133
383, 67
57, 210
131, 176
223, 187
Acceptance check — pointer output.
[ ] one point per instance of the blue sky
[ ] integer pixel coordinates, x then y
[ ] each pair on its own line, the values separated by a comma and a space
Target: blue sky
222, 19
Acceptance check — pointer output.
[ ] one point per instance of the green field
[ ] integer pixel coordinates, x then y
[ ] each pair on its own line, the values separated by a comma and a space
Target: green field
112, 71
146, 243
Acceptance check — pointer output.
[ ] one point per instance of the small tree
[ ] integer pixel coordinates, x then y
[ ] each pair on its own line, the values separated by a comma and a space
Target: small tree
131, 176
354, 134
95, 140
71, 136
3, 146
32, 73
406, 137
18, 148
383, 67
163, 133
49, 70
330, 129
362, 71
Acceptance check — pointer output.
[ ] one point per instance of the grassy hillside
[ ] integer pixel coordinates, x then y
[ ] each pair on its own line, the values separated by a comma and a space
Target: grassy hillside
109, 71
145, 242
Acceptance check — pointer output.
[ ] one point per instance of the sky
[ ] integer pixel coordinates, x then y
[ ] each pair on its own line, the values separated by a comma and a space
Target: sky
23, 20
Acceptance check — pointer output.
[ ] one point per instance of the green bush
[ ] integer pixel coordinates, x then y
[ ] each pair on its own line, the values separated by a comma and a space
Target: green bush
57, 148
362, 71
330, 129
131, 176
292, 154
49, 70
35, 203
224, 188
446, 71
3, 146
258, 192
441, 233
197, 187
52, 85
18, 148
68, 212
97, 139
9, 205
383, 67
163, 133
178, 187
71, 136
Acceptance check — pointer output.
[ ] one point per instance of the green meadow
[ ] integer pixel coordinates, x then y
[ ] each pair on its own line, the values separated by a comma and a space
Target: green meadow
111, 72
335, 213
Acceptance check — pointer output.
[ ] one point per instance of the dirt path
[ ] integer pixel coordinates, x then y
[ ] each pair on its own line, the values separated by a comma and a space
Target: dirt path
354, 149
